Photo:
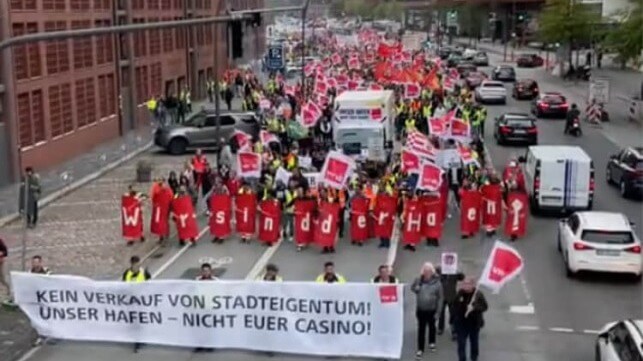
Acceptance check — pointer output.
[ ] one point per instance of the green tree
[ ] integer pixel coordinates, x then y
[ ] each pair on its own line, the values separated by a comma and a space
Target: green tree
567, 22
626, 38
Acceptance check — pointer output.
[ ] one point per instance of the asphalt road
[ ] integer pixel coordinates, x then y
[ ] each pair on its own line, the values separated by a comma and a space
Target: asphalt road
539, 316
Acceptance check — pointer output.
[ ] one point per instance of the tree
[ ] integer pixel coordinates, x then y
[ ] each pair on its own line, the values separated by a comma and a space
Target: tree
377, 9
567, 22
625, 38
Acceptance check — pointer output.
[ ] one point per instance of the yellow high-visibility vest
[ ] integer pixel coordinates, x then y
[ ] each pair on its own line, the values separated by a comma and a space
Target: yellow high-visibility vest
340, 278
135, 277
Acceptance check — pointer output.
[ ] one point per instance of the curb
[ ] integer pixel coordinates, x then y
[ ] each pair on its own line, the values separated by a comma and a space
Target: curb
79, 183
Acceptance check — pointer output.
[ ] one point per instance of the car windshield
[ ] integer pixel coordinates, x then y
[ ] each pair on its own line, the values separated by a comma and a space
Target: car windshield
518, 122
506, 70
606, 237
481, 54
554, 99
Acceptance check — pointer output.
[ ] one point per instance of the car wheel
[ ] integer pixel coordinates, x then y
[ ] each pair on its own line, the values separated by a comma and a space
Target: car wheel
608, 175
558, 246
623, 189
504, 101
533, 206
637, 278
538, 113
177, 146
597, 352
499, 141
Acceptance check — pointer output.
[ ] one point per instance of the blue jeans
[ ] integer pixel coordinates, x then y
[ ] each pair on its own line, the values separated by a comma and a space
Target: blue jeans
472, 334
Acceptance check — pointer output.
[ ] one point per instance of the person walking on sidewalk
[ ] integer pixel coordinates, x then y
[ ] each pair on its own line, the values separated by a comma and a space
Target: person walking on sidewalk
428, 302
469, 305
30, 188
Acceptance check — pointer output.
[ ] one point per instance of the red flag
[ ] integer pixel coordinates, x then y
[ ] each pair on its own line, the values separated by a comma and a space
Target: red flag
336, 169
432, 218
353, 84
327, 222
309, 69
375, 86
336, 59
470, 201
321, 87
160, 224
376, 114
466, 154
359, 219
185, 218
132, 218
460, 128
308, 117
412, 233
243, 139
342, 79
269, 221
437, 127
516, 220
410, 161
491, 206
504, 264
304, 221
248, 164
332, 82
353, 63
245, 213
430, 177
384, 213
412, 91
220, 213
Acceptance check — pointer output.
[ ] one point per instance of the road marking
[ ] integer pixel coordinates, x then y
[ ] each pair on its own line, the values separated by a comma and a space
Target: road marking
395, 241
523, 309
528, 328
178, 254
561, 329
592, 332
262, 262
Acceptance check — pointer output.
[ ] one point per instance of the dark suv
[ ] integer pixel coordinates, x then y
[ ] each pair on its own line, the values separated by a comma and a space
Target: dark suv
625, 169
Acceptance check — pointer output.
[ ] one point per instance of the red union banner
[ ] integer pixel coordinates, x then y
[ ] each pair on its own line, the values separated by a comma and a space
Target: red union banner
220, 213
249, 164
336, 170
304, 221
384, 213
437, 127
412, 232
491, 206
460, 129
432, 216
185, 218
359, 219
160, 222
517, 214
412, 91
430, 177
410, 161
132, 218
327, 222
269, 221
245, 213
504, 263
470, 201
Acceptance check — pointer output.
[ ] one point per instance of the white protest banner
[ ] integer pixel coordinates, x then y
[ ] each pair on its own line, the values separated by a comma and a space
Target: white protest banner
356, 320
305, 162
449, 263
283, 175
336, 169
312, 178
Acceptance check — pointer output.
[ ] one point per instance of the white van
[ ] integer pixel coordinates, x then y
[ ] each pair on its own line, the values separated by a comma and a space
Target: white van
365, 111
559, 178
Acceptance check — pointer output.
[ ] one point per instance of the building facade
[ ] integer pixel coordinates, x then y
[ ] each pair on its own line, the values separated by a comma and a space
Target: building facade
62, 98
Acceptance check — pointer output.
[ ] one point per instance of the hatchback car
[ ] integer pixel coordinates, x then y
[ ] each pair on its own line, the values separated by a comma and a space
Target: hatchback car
515, 128
481, 59
525, 89
465, 68
455, 57
474, 79
599, 242
529, 61
491, 91
620, 341
504, 73
550, 104
200, 130
625, 169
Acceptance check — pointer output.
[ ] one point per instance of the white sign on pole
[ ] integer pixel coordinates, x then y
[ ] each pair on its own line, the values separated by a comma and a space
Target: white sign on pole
449, 264
283, 176
312, 178
599, 90
356, 320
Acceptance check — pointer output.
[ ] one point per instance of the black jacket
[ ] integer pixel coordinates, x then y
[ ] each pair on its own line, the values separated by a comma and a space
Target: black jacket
3, 249
473, 319
449, 285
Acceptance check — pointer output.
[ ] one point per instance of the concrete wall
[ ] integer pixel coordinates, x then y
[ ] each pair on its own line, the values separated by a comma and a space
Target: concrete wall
5, 164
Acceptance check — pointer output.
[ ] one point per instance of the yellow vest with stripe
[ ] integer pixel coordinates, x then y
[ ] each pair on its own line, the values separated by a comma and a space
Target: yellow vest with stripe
135, 277
290, 197
426, 111
409, 123
340, 278
151, 105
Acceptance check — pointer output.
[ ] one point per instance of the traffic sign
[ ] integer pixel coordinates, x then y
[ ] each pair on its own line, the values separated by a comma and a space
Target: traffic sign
275, 57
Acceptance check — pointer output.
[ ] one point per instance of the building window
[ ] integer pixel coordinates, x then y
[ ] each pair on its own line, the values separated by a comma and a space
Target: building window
104, 44
31, 121
199, 4
180, 36
156, 76
27, 56
140, 40
168, 39
209, 34
56, 5
166, 4
85, 102
138, 4
102, 4
23, 4
79, 5
57, 50
178, 4
60, 111
142, 84
153, 4
208, 4
155, 39
200, 35
107, 98
83, 49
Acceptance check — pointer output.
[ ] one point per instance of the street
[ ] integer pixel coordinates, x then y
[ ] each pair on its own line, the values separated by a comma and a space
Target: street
541, 316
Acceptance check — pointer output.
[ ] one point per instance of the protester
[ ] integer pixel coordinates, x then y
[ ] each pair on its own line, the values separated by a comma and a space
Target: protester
37, 266
329, 275
136, 273
30, 191
384, 275
271, 274
449, 290
429, 301
469, 306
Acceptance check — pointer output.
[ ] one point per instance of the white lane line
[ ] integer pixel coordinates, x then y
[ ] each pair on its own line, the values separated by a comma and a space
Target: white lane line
528, 328
561, 329
523, 309
592, 332
523, 283
395, 241
176, 256
262, 262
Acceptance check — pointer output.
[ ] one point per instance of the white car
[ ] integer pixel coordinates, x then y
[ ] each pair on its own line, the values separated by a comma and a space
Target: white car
620, 341
491, 91
600, 242
468, 54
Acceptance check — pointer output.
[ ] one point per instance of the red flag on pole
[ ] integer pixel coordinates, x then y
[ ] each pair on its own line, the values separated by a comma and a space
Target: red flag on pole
503, 265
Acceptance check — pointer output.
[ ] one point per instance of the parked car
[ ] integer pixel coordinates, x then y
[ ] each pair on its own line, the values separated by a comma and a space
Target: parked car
625, 169
455, 57
481, 59
525, 89
517, 128
550, 104
444, 52
200, 130
504, 73
599, 242
464, 68
529, 61
620, 341
474, 79
491, 91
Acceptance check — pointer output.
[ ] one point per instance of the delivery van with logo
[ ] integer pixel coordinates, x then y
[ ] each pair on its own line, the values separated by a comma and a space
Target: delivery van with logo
362, 114
558, 178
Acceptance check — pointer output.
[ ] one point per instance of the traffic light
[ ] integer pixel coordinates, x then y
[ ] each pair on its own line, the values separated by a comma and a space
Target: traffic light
236, 28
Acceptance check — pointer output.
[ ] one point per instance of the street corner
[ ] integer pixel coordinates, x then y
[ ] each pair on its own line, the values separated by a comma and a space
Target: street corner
16, 334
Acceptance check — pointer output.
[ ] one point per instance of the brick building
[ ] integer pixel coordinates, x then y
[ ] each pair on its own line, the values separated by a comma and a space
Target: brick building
62, 98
